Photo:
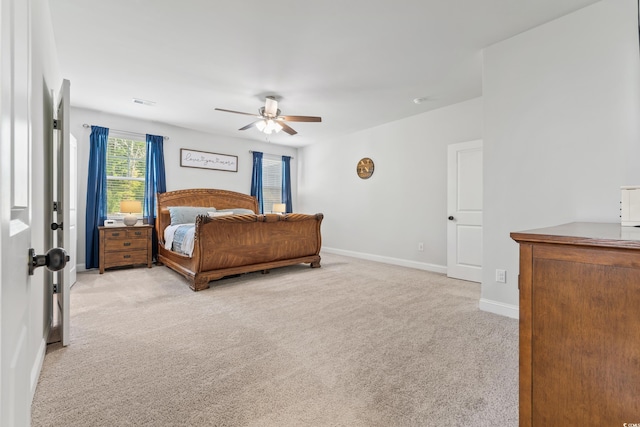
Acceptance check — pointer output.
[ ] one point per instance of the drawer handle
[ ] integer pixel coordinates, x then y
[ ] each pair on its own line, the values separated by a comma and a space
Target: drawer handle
115, 234
126, 256
138, 233
127, 243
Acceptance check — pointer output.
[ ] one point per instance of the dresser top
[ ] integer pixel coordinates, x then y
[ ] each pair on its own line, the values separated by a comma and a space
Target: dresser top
127, 227
583, 234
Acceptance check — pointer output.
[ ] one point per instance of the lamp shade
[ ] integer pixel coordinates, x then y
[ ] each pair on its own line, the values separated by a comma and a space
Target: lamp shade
279, 208
130, 206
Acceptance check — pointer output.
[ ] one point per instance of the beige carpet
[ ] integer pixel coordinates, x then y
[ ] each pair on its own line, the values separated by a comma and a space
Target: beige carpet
354, 343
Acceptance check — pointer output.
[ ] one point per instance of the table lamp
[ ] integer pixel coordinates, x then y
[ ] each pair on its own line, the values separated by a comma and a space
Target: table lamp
279, 208
130, 207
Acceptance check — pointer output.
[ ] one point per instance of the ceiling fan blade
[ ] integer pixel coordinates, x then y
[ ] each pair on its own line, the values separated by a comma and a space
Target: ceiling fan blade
301, 118
271, 107
288, 129
250, 125
237, 112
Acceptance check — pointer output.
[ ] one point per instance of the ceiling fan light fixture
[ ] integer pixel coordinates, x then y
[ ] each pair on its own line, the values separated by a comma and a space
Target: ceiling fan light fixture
268, 126
272, 127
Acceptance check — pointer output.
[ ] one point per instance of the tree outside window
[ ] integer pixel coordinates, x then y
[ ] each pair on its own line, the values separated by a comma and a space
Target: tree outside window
126, 168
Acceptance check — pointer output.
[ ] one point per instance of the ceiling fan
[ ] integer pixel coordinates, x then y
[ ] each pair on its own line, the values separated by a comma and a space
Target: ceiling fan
270, 120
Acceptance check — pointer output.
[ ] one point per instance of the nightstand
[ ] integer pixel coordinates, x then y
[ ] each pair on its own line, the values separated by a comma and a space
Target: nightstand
120, 246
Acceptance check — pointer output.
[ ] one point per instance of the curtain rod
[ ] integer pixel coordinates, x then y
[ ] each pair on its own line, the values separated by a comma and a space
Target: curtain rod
251, 151
125, 131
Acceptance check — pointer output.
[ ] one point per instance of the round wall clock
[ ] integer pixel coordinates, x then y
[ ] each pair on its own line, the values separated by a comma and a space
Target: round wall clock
364, 168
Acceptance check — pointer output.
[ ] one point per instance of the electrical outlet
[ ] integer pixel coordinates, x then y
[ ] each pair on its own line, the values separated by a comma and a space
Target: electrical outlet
421, 246
501, 276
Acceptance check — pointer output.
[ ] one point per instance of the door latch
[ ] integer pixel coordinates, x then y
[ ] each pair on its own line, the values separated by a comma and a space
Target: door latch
55, 260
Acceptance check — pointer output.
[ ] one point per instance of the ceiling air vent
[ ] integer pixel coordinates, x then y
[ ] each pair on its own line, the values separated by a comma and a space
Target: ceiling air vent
143, 102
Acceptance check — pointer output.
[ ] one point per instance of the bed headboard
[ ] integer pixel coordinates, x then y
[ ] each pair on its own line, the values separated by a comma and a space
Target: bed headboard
201, 197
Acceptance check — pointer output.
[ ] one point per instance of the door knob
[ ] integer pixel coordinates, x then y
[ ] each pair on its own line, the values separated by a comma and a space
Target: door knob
451, 218
55, 226
55, 260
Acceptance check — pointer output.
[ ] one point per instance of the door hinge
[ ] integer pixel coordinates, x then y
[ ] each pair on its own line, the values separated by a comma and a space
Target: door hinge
56, 289
56, 124
55, 206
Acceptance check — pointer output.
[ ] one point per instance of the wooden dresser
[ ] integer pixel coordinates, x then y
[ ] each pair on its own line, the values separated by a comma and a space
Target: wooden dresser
124, 245
579, 325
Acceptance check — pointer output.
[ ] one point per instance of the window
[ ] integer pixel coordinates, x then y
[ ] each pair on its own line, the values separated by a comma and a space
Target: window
271, 181
126, 168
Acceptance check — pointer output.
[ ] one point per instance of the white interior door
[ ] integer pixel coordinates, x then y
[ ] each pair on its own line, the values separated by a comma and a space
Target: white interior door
65, 196
464, 203
15, 215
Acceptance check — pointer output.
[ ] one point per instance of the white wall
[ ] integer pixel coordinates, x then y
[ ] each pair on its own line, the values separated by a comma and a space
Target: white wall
177, 177
561, 135
404, 202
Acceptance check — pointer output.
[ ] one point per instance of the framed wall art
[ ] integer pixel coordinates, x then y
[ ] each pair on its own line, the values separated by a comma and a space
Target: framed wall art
206, 160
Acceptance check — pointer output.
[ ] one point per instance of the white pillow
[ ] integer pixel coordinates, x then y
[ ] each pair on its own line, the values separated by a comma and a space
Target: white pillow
215, 214
237, 211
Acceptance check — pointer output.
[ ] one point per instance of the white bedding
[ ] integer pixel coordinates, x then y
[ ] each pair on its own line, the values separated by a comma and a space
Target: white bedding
186, 236
186, 248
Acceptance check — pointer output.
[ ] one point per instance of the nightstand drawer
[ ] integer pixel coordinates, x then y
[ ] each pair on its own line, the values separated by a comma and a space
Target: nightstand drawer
139, 234
125, 234
116, 259
124, 244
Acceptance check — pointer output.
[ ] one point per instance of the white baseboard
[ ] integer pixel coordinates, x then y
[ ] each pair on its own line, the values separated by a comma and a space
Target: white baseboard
389, 260
490, 306
500, 308
81, 267
37, 366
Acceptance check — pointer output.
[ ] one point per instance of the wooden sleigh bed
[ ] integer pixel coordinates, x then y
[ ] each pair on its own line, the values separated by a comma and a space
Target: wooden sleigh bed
236, 243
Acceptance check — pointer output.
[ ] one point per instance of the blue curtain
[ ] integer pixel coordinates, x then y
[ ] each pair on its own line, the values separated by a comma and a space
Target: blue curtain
155, 182
96, 194
286, 183
256, 180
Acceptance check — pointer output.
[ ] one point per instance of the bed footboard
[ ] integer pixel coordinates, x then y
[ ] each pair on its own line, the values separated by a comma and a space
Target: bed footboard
235, 244
245, 243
